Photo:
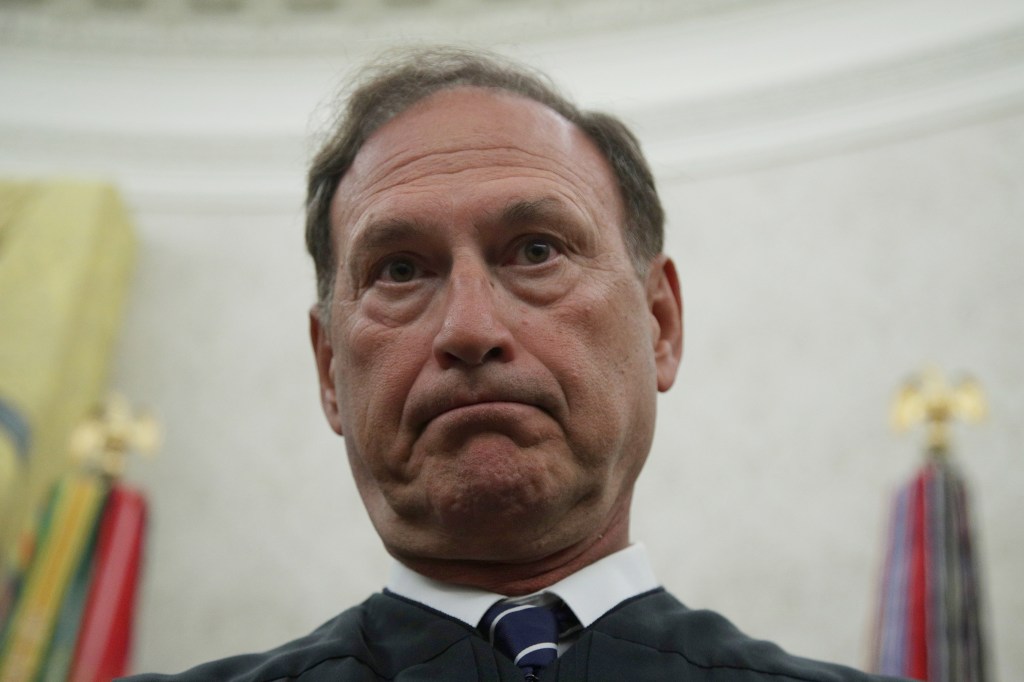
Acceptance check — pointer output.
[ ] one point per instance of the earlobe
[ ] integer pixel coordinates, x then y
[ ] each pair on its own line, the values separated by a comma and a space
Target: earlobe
323, 354
665, 303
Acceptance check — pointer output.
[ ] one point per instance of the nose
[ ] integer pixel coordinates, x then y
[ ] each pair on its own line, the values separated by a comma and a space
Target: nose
472, 331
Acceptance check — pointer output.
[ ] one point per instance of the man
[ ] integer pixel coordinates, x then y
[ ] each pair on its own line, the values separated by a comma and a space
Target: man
495, 319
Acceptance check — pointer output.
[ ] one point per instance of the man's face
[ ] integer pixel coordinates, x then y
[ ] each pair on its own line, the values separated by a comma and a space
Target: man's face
492, 356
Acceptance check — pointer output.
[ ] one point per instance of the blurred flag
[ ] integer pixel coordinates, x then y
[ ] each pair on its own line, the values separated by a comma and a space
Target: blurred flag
64, 549
70, 534
929, 625
104, 643
72, 620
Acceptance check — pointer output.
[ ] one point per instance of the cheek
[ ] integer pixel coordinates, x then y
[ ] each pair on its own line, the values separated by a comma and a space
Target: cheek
377, 368
606, 329
598, 346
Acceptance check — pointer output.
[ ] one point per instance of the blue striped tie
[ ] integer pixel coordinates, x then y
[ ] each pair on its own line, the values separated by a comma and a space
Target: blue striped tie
525, 633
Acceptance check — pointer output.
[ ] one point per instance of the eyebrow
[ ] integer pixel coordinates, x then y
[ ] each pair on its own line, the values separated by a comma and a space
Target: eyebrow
523, 212
386, 231
383, 233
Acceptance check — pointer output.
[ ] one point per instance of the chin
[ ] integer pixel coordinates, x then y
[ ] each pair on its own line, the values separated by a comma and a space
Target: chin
483, 505
492, 500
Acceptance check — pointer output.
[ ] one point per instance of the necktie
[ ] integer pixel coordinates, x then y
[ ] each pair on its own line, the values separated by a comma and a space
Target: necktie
528, 634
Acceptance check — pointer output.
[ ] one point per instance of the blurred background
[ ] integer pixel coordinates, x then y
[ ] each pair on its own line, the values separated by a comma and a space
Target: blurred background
844, 182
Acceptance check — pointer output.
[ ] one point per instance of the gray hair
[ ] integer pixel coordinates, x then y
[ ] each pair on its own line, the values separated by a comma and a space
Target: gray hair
392, 85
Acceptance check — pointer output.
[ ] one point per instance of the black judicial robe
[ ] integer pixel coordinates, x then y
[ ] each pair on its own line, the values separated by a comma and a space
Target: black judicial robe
649, 637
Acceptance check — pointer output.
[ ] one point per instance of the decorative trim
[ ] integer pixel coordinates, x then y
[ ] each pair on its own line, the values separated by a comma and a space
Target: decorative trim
922, 94
318, 27
954, 68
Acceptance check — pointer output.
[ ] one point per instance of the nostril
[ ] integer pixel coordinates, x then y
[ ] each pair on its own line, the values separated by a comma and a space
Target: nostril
493, 354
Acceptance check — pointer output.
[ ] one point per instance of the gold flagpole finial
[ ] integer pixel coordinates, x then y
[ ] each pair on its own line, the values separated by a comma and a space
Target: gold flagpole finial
102, 442
930, 399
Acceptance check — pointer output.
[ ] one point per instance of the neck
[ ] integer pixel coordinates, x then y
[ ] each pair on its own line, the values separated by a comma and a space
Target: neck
518, 578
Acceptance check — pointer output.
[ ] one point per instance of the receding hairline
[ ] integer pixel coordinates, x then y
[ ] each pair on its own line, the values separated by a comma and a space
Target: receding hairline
496, 92
576, 142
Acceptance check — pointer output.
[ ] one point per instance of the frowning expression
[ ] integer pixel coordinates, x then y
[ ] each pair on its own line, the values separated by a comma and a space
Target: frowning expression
491, 356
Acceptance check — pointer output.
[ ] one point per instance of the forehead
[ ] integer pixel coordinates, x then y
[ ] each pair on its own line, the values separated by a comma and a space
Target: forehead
469, 145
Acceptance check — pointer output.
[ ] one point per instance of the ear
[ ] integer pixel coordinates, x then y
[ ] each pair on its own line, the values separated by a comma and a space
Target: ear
666, 305
323, 353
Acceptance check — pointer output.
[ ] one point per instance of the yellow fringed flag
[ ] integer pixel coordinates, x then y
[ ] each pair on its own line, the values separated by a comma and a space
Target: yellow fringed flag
66, 250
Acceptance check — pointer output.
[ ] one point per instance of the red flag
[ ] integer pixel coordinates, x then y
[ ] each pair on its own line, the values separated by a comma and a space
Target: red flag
929, 626
104, 641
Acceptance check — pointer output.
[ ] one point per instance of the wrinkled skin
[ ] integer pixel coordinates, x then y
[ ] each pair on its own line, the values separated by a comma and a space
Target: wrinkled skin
492, 356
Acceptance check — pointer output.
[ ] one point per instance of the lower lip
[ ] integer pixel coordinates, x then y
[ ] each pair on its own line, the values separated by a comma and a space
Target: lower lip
483, 414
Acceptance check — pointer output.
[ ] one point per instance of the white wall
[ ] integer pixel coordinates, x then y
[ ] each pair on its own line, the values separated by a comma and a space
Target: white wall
811, 290
840, 217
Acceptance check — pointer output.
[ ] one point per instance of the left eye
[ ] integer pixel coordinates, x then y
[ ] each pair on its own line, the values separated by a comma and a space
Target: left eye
535, 251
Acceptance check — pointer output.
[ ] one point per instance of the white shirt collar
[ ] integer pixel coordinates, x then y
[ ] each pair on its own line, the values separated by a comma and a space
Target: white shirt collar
590, 592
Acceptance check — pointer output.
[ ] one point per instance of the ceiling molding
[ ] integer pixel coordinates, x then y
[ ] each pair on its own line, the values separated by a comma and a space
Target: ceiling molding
319, 27
708, 96
876, 103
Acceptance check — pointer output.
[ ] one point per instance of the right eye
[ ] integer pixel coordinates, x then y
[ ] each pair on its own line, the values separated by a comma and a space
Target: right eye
399, 270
